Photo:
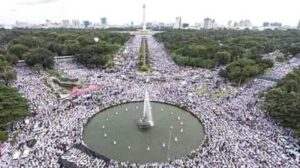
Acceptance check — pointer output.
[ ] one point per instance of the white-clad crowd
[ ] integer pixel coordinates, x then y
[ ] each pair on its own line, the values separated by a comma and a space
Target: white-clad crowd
238, 132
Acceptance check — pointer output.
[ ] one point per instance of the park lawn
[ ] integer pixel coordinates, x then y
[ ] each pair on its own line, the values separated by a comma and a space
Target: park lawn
201, 90
221, 95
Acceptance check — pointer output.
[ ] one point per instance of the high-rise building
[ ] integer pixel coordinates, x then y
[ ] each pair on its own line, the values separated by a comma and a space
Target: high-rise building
244, 24
272, 25
86, 23
229, 24
276, 24
298, 25
185, 25
76, 24
209, 23
48, 22
266, 24
103, 21
247, 23
65, 23
177, 24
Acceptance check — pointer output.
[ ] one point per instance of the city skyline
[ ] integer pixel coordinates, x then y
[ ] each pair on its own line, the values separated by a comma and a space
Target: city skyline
124, 12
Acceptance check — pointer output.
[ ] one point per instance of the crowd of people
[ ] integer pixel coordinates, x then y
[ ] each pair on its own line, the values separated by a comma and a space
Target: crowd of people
238, 132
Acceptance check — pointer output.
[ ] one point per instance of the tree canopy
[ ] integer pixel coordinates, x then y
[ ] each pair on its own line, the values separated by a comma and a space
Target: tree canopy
17, 43
12, 107
283, 101
7, 74
39, 56
214, 48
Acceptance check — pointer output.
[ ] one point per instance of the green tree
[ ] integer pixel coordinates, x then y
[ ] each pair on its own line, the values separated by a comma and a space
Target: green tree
283, 101
12, 107
3, 51
39, 56
93, 56
241, 71
7, 74
223, 57
18, 50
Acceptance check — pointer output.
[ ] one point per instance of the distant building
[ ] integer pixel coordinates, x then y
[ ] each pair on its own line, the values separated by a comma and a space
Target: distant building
229, 24
185, 25
177, 24
104, 21
23, 25
247, 24
86, 23
65, 23
48, 23
243, 24
266, 24
298, 27
235, 24
76, 24
209, 23
276, 24
272, 25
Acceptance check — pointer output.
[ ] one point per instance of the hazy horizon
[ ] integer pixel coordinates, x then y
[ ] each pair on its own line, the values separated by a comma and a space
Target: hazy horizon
122, 12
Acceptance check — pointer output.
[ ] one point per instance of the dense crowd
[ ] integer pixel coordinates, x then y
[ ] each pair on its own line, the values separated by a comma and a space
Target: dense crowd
238, 132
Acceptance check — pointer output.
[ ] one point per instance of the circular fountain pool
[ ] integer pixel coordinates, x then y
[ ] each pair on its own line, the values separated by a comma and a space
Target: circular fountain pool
114, 133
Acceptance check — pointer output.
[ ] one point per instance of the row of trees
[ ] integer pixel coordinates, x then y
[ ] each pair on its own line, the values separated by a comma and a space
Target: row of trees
12, 105
27, 44
240, 50
283, 101
144, 60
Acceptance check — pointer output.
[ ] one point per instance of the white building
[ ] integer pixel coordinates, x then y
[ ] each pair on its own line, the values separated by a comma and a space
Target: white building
76, 24
65, 23
23, 25
209, 23
177, 24
103, 21
229, 24
48, 23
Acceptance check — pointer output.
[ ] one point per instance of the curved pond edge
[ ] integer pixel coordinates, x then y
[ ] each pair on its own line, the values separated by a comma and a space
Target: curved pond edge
204, 141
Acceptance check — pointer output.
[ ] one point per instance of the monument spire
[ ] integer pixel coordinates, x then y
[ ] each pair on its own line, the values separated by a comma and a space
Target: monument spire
144, 17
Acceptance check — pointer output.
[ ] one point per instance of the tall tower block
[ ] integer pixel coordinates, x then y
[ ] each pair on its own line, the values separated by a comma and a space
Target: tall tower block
144, 17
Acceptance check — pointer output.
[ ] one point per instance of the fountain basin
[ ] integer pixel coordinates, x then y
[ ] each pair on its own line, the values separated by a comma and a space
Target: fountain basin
161, 143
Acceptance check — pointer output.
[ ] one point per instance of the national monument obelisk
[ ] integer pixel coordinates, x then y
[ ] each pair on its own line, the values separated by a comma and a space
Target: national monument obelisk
144, 17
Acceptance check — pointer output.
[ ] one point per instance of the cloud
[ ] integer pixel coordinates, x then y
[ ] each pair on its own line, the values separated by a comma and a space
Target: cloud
36, 2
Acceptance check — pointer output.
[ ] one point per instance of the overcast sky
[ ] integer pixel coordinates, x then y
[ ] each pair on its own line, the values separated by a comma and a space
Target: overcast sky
125, 11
